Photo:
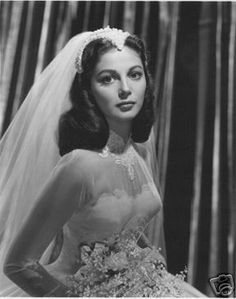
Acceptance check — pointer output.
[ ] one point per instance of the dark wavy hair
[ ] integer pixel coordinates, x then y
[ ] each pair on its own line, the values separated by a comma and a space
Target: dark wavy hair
84, 125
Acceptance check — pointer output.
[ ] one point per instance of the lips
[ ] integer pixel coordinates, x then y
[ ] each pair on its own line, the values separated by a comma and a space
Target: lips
126, 106
125, 103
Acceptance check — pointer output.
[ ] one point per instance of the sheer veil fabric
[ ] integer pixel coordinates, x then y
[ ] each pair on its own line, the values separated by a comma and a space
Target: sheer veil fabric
29, 151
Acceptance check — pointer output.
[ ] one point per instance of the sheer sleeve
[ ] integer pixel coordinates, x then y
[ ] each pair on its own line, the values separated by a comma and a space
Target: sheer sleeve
63, 192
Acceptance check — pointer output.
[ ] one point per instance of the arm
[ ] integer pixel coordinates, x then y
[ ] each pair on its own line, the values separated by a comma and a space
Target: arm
55, 205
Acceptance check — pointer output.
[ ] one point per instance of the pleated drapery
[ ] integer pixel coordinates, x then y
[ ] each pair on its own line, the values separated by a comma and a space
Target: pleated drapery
192, 49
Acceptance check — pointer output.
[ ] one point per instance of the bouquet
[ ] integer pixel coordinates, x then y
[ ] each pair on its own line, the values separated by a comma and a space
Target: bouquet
122, 269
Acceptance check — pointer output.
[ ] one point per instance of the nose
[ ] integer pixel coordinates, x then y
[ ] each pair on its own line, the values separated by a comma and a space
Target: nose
124, 90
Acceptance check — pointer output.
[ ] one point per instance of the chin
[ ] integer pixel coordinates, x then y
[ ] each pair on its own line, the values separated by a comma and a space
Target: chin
127, 116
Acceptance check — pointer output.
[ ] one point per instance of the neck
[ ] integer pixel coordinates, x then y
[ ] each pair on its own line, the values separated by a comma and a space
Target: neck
123, 130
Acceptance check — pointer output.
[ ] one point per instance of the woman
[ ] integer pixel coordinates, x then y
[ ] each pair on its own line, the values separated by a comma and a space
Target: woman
100, 193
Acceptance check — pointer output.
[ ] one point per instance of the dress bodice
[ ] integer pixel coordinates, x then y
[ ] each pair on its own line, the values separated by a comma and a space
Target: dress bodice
110, 197
118, 188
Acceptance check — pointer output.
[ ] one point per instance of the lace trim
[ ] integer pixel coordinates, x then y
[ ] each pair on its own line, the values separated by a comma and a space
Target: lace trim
116, 149
119, 193
127, 159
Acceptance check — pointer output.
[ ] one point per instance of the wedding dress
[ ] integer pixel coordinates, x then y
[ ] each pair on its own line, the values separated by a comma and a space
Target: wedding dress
103, 249
116, 199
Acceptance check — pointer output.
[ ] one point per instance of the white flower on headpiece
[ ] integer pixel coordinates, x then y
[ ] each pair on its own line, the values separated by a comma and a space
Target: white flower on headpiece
116, 36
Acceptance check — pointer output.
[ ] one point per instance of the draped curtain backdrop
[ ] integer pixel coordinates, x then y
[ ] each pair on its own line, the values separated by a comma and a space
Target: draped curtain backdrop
192, 47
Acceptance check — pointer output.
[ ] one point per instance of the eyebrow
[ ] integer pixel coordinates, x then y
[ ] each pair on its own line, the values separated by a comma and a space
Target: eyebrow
114, 71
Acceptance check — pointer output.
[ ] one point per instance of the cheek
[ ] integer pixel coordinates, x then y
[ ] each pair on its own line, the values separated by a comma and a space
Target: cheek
140, 92
103, 99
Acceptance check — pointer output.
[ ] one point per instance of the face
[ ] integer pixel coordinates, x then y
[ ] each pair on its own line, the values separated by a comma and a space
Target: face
118, 85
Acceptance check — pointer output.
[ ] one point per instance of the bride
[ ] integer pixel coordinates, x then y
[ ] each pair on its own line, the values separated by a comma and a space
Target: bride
77, 187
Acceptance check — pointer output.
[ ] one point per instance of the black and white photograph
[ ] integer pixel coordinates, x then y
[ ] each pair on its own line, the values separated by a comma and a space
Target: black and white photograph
118, 149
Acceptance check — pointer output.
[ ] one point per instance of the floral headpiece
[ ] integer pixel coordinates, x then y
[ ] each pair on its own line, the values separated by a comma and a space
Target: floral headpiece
116, 36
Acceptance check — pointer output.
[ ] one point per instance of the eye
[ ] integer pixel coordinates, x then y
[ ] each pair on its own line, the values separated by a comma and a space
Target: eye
106, 79
136, 75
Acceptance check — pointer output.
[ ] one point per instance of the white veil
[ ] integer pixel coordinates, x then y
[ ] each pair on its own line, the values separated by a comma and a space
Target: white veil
28, 149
